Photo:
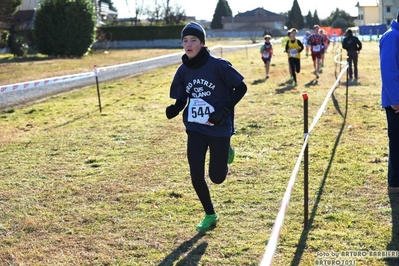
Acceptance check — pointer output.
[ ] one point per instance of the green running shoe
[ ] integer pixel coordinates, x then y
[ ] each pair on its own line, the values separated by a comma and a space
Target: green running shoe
209, 221
231, 155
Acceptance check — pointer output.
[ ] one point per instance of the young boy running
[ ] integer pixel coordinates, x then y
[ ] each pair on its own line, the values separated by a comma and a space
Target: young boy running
212, 88
266, 51
305, 42
293, 48
316, 42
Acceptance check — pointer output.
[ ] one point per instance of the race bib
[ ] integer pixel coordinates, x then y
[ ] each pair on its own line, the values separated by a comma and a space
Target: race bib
293, 52
266, 55
199, 111
316, 48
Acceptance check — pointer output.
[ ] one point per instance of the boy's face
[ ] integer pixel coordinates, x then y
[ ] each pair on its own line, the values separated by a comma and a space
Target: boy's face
267, 39
192, 45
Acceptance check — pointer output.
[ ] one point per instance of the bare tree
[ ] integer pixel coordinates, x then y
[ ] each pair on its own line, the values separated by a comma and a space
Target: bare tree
139, 8
173, 14
165, 11
155, 13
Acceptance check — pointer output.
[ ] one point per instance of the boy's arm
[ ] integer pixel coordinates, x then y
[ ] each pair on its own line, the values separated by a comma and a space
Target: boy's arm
174, 109
218, 117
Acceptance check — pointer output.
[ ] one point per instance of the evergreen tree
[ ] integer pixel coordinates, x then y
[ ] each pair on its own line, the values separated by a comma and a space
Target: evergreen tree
295, 18
338, 19
316, 19
222, 10
309, 20
341, 23
65, 28
7, 9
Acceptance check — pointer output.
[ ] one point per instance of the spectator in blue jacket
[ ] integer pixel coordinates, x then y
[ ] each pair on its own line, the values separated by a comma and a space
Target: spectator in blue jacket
389, 65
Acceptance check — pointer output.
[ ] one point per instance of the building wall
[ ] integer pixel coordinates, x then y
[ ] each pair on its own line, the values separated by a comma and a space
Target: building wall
371, 15
257, 25
388, 11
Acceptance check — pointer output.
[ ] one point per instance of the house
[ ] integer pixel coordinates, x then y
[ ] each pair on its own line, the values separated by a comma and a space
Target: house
368, 12
104, 13
258, 19
23, 18
387, 11
25, 14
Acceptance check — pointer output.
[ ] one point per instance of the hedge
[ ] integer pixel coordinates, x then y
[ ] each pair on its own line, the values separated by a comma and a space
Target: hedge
139, 33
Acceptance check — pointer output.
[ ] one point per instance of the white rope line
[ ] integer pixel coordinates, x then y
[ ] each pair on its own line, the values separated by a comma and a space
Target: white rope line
42, 82
75, 77
278, 223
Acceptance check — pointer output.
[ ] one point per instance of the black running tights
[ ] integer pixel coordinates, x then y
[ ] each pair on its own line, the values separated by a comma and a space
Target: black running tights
295, 66
197, 146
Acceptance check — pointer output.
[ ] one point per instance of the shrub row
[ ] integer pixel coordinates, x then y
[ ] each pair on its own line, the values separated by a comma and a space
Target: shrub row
138, 33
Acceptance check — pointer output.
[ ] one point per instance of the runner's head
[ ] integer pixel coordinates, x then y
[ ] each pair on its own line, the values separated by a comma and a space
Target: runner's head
316, 28
194, 29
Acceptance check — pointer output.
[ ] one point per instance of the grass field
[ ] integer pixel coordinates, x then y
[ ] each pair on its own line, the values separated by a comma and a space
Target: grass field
80, 187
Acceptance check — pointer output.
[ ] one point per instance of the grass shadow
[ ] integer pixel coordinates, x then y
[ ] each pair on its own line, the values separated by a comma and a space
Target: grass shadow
302, 240
257, 81
74, 119
286, 86
68, 122
191, 258
354, 82
313, 82
394, 244
351, 82
11, 59
285, 89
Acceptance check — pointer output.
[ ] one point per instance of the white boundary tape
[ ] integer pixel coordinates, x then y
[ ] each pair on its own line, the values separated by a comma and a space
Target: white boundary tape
68, 78
41, 82
278, 223
14, 94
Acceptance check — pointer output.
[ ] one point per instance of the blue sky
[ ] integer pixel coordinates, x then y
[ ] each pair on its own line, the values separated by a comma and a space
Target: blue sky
204, 9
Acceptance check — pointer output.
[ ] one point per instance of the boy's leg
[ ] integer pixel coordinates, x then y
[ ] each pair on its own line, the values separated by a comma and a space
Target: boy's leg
219, 148
197, 146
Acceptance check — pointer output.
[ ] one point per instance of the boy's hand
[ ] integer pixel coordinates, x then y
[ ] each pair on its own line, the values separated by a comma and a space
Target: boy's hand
217, 118
171, 111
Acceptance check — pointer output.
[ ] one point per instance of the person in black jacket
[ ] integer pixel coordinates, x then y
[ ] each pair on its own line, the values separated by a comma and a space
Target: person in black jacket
353, 46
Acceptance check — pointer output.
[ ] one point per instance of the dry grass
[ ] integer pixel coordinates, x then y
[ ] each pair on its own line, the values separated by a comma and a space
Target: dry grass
84, 188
